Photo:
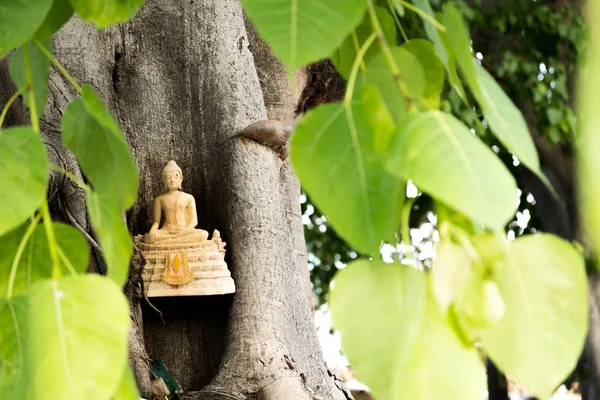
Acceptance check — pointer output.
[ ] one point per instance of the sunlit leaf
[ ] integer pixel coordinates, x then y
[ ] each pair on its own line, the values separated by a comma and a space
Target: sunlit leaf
13, 344
19, 20
304, 31
92, 134
506, 121
439, 40
451, 269
372, 299
334, 153
459, 41
106, 12
443, 158
412, 77
127, 389
58, 15
544, 286
114, 237
23, 173
433, 69
35, 263
78, 345
343, 58
40, 72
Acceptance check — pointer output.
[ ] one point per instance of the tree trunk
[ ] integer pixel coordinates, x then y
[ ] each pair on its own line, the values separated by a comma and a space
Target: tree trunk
181, 80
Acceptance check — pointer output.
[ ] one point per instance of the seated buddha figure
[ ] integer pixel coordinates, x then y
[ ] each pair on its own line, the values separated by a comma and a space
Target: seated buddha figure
180, 212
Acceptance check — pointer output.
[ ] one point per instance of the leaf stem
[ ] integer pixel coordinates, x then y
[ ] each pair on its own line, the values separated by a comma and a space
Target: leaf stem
398, 24
52, 245
66, 262
387, 51
363, 67
33, 115
423, 15
58, 66
68, 174
19, 254
357, 61
9, 103
405, 225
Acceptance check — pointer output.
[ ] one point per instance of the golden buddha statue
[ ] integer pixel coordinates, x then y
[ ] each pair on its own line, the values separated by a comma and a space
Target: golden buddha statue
179, 209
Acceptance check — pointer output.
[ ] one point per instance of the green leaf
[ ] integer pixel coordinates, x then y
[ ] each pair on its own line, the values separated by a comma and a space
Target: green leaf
92, 134
441, 366
304, 31
415, 353
459, 41
554, 115
127, 389
379, 74
35, 261
79, 336
443, 158
19, 20
106, 12
343, 58
13, 343
544, 285
113, 234
23, 173
439, 40
451, 270
399, 8
59, 14
40, 72
336, 154
433, 69
506, 121
387, 301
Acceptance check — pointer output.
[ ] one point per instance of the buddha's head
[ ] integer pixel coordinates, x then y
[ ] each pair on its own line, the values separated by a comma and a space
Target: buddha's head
172, 176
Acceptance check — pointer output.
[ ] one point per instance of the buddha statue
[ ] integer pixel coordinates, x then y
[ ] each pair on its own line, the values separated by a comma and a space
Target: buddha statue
179, 209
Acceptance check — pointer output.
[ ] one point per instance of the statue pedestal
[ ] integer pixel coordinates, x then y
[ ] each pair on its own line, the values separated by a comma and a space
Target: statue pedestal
187, 269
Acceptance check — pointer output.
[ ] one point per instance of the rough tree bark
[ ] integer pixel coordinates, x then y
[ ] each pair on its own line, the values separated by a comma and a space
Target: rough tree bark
181, 80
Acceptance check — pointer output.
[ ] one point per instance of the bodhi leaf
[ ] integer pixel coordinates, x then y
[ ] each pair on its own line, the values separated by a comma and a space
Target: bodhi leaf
379, 74
19, 20
506, 121
106, 12
335, 153
13, 343
77, 352
443, 158
451, 269
58, 15
304, 31
439, 40
343, 58
92, 134
415, 353
127, 389
23, 173
113, 234
544, 285
40, 72
371, 299
35, 261
433, 69
458, 39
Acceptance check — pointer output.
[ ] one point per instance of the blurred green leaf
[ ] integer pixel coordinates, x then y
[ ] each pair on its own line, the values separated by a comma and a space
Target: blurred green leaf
443, 158
19, 20
127, 389
344, 56
544, 286
40, 72
13, 343
93, 135
304, 31
433, 69
23, 173
451, 270
334, 153
106, 12
58, 15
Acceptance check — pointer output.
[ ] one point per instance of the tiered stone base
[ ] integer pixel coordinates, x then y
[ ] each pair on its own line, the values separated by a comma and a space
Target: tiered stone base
204, 260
